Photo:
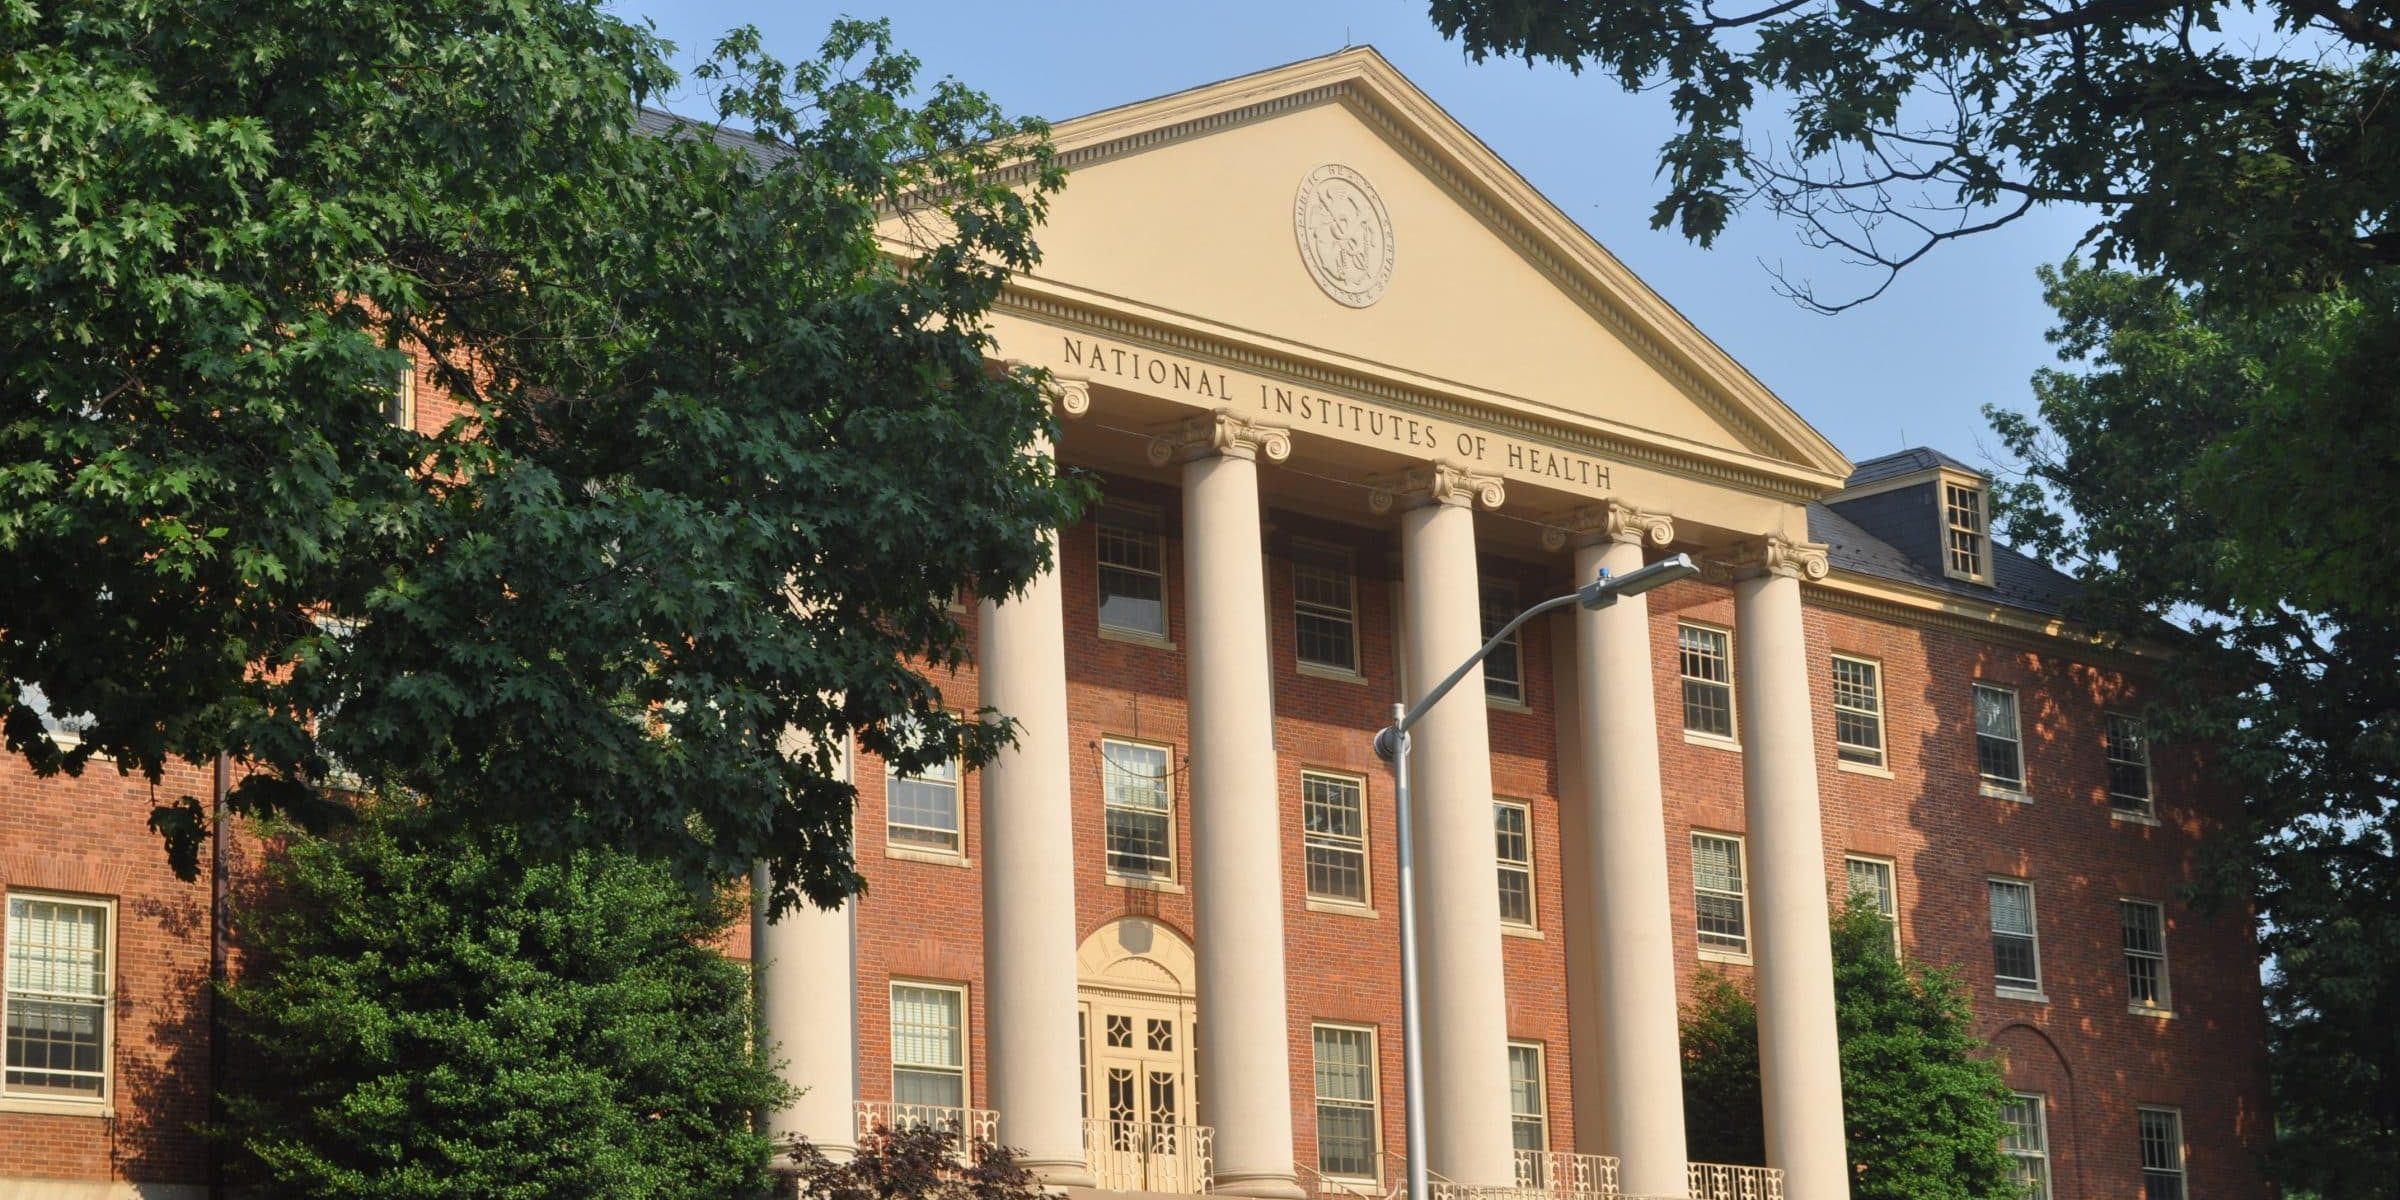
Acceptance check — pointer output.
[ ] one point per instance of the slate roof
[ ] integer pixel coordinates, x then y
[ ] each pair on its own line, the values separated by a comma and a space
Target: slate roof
2018, 580
661, 123
1905, 462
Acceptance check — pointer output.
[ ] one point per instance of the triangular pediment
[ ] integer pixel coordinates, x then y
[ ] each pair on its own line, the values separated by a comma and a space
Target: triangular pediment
1194, 207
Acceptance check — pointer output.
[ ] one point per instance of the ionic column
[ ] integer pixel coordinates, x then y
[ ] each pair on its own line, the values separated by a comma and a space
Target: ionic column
1031, 1075
1237, 844
804, 968
1465, 1021
1626, 939
1799, 1053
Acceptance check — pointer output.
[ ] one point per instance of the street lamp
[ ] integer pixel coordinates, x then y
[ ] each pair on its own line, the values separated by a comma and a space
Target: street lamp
1391, 745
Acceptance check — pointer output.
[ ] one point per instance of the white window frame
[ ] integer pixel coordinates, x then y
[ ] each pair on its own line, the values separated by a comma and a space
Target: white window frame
1539, 1117
1722, 950
22, 1098
2126, 804
957, 849
2012, 986
1732, 736
1373, 1105
1314, 840
1504, 866
2175, 1171
64, 732
1111, 764
1858, 755
1995, 785
1498, 597
1320, 556
1891, 877
966, 1049
2032, 1161
400, 408
1157, 534
1976, 530
2163, 1005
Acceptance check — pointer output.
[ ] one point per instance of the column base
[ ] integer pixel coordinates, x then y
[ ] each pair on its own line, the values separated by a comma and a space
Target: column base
1279, 1185
1060, 1173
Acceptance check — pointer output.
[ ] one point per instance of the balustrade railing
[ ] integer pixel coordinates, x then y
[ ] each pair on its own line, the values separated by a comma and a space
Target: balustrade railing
966, 1126
1567, 1176
1139, 1156
1717, 1181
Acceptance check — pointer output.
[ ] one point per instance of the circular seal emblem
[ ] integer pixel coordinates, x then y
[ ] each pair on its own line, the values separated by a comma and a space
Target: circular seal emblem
1345, 234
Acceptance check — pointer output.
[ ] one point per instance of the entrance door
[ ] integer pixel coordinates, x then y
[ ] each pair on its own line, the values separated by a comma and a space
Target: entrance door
1142, 1137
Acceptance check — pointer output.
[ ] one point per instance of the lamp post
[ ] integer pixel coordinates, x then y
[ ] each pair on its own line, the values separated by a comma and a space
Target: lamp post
1392, 745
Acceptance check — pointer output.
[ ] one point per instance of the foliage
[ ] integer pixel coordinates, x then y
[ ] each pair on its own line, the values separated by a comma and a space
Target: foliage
2230, 144
671, 551
1920, 1103
2229, 468
919, 1163
438, 1018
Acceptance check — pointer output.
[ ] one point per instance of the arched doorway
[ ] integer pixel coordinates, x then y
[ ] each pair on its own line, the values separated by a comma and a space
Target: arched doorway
1135, 979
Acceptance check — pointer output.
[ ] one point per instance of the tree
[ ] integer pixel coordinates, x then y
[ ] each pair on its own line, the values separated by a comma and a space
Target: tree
917, 1162
2227, 469
2241, 146
434, 1017
723, 457
1920, 1103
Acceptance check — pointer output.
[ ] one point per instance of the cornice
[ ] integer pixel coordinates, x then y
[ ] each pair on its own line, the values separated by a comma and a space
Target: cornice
1883, 600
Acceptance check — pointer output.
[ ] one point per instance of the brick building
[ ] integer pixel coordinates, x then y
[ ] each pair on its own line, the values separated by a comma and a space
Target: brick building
1354, 394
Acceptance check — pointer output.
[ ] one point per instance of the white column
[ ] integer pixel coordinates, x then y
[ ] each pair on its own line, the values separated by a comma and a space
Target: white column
1799, 1054
1458, 899
1629, 928
806, 975
1237, 843
1031, 1075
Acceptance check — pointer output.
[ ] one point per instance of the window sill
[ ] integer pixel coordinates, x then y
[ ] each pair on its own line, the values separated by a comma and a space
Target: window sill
2030, 996
1520, 931
1859, 768
1336, 674
35, 1105
2145, 1010
1724, 956
1345, 1185
946, 858
1341, 908
1996, 791
1136, 637
2132, 818
1506, 705
1712, 741
1138, 884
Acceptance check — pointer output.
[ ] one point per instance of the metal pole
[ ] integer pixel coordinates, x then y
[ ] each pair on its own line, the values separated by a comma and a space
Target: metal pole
1412, 1046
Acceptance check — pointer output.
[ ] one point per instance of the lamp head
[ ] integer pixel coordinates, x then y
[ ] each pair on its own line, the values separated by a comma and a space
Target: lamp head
1603, 591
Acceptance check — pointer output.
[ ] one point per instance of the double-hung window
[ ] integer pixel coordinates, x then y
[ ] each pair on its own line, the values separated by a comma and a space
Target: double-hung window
1504, 669
56, 999
1349, 1137
2128, 766
1857, 711
1333, 833
1325, 608
2145, 926
2162, 1154
1966, 533
1707, 667
1872, 885
2016, 953
1138, 787
1999, 752
2027, 1143
921, 811
1132, 583
929, 1045
1512, 826
1528, 1113
400, 404
1720, 904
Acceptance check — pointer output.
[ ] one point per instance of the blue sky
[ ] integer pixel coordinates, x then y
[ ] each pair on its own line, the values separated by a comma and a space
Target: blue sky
1913, 367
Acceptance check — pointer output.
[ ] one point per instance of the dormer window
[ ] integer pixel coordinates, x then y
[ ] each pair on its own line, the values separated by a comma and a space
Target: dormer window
1967, 539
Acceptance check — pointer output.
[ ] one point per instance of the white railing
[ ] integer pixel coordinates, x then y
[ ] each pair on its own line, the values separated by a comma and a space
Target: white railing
1717, 1181
966, 1125
1566, 1176
1440, 1188
1138, 1156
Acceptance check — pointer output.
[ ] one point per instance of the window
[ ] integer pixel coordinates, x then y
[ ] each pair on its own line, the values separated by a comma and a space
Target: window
1872, 884
56, 998
2027, 1143
2016, 961
1719, 902
921, 811
2128, 766
63, 730
1133, 587
1997, 755
2145, 926
1325, 609
1528, 1114
1962, 514
400, 407
1349, 1138
1333, 828
1857, 711
2162, 1154
1512, 822
929, 1045
1139, 792
1504, 671
1707, 680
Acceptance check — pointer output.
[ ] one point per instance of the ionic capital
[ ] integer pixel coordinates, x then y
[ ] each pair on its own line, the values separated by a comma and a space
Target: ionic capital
1437, 483
1608, 521
1072, 395
1780, 556
1220, 433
